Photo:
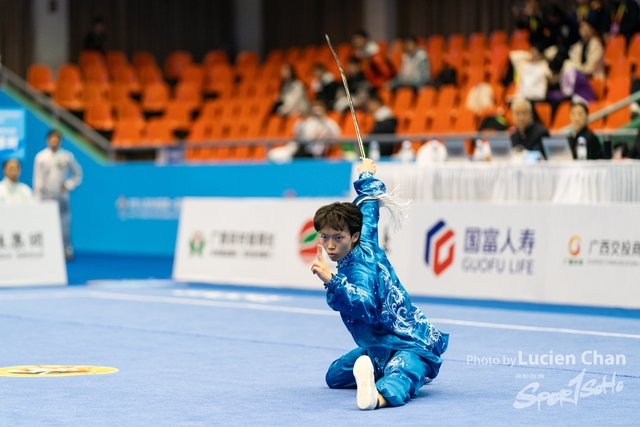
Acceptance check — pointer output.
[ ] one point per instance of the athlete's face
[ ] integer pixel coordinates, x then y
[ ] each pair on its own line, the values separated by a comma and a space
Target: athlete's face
337, 243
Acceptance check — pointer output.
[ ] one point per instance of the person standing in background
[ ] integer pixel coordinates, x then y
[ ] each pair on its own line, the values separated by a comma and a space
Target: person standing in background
55, 174
415, 68
13, 192
96, 39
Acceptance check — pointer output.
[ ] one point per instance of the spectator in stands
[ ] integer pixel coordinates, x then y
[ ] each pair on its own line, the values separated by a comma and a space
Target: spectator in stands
531, 18
527, 133
384, 122
358, 84
592, 11
324, 85
579, 115
97, 37
533, 71
415, 68
13, 192
292, 99
375, 65
55, 174
317, 127
625, 18
587, 55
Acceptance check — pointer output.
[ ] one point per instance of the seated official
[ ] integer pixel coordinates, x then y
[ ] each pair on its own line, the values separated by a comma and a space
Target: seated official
317, 127
528, 133
13, 192
384, 122
579, 116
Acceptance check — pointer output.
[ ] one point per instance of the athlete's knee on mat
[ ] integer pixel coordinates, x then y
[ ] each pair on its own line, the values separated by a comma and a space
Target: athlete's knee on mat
338, 377
395, 389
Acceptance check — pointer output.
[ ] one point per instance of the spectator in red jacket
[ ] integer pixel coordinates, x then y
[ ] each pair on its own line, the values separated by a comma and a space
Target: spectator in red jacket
376, 66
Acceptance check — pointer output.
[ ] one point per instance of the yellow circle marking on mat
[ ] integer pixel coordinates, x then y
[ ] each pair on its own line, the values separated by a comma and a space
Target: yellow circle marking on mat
54, 370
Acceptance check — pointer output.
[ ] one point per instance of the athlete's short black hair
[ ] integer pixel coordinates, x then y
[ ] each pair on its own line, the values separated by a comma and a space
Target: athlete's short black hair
343, 216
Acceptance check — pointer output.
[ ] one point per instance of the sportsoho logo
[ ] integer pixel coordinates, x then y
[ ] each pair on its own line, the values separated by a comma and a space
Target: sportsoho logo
437, 238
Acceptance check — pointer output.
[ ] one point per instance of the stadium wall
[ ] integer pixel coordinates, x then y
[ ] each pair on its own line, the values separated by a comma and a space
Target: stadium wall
133, 208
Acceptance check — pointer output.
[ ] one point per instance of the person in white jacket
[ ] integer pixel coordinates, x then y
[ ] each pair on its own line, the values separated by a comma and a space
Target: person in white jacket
13, 192
55, 174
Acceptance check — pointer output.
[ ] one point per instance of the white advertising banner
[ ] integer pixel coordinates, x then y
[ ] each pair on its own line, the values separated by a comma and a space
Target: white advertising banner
265, 242
31, 250
562, 254
472, 251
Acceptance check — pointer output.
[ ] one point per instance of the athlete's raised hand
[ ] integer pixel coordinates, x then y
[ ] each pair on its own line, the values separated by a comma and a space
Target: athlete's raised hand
367, 165
320, 267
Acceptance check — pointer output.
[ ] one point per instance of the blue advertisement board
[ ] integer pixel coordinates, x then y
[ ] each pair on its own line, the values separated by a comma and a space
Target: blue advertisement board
12, 133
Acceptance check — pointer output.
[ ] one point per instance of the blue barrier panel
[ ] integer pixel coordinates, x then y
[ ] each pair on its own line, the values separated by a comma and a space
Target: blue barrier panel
132, 208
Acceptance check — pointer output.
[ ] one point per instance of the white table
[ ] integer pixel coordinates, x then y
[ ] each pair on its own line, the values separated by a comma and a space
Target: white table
601, 181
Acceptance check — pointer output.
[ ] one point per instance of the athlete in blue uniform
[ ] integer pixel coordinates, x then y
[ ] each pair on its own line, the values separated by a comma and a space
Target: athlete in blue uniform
398, 349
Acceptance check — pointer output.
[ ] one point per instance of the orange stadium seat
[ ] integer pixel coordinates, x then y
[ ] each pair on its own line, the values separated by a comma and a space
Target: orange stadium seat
633, 52
159, 132
402, 102
466, 121
618, 118
497, 38
91, 58
97, 75
273, 128
418, 123
178, 115
67, 95
618, 88
39, 77
189, 93
143, 59
614, 47
247, 59
543, 110
200, 130
118, 93
175, 63
561, 118
193, 74
127, 75
129, 111
150, 74
214, 57
116, 59
94, 92
385, 94
211, 109
365, 122
70, 75
155, 97
598, 86
520, 39
126, 133
98, 115
594, 107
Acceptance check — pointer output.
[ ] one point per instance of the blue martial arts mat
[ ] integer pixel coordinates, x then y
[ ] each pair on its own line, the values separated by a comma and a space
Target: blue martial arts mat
205, 356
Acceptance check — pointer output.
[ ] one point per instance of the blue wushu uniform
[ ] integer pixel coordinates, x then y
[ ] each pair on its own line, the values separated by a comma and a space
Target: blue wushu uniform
404, 347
